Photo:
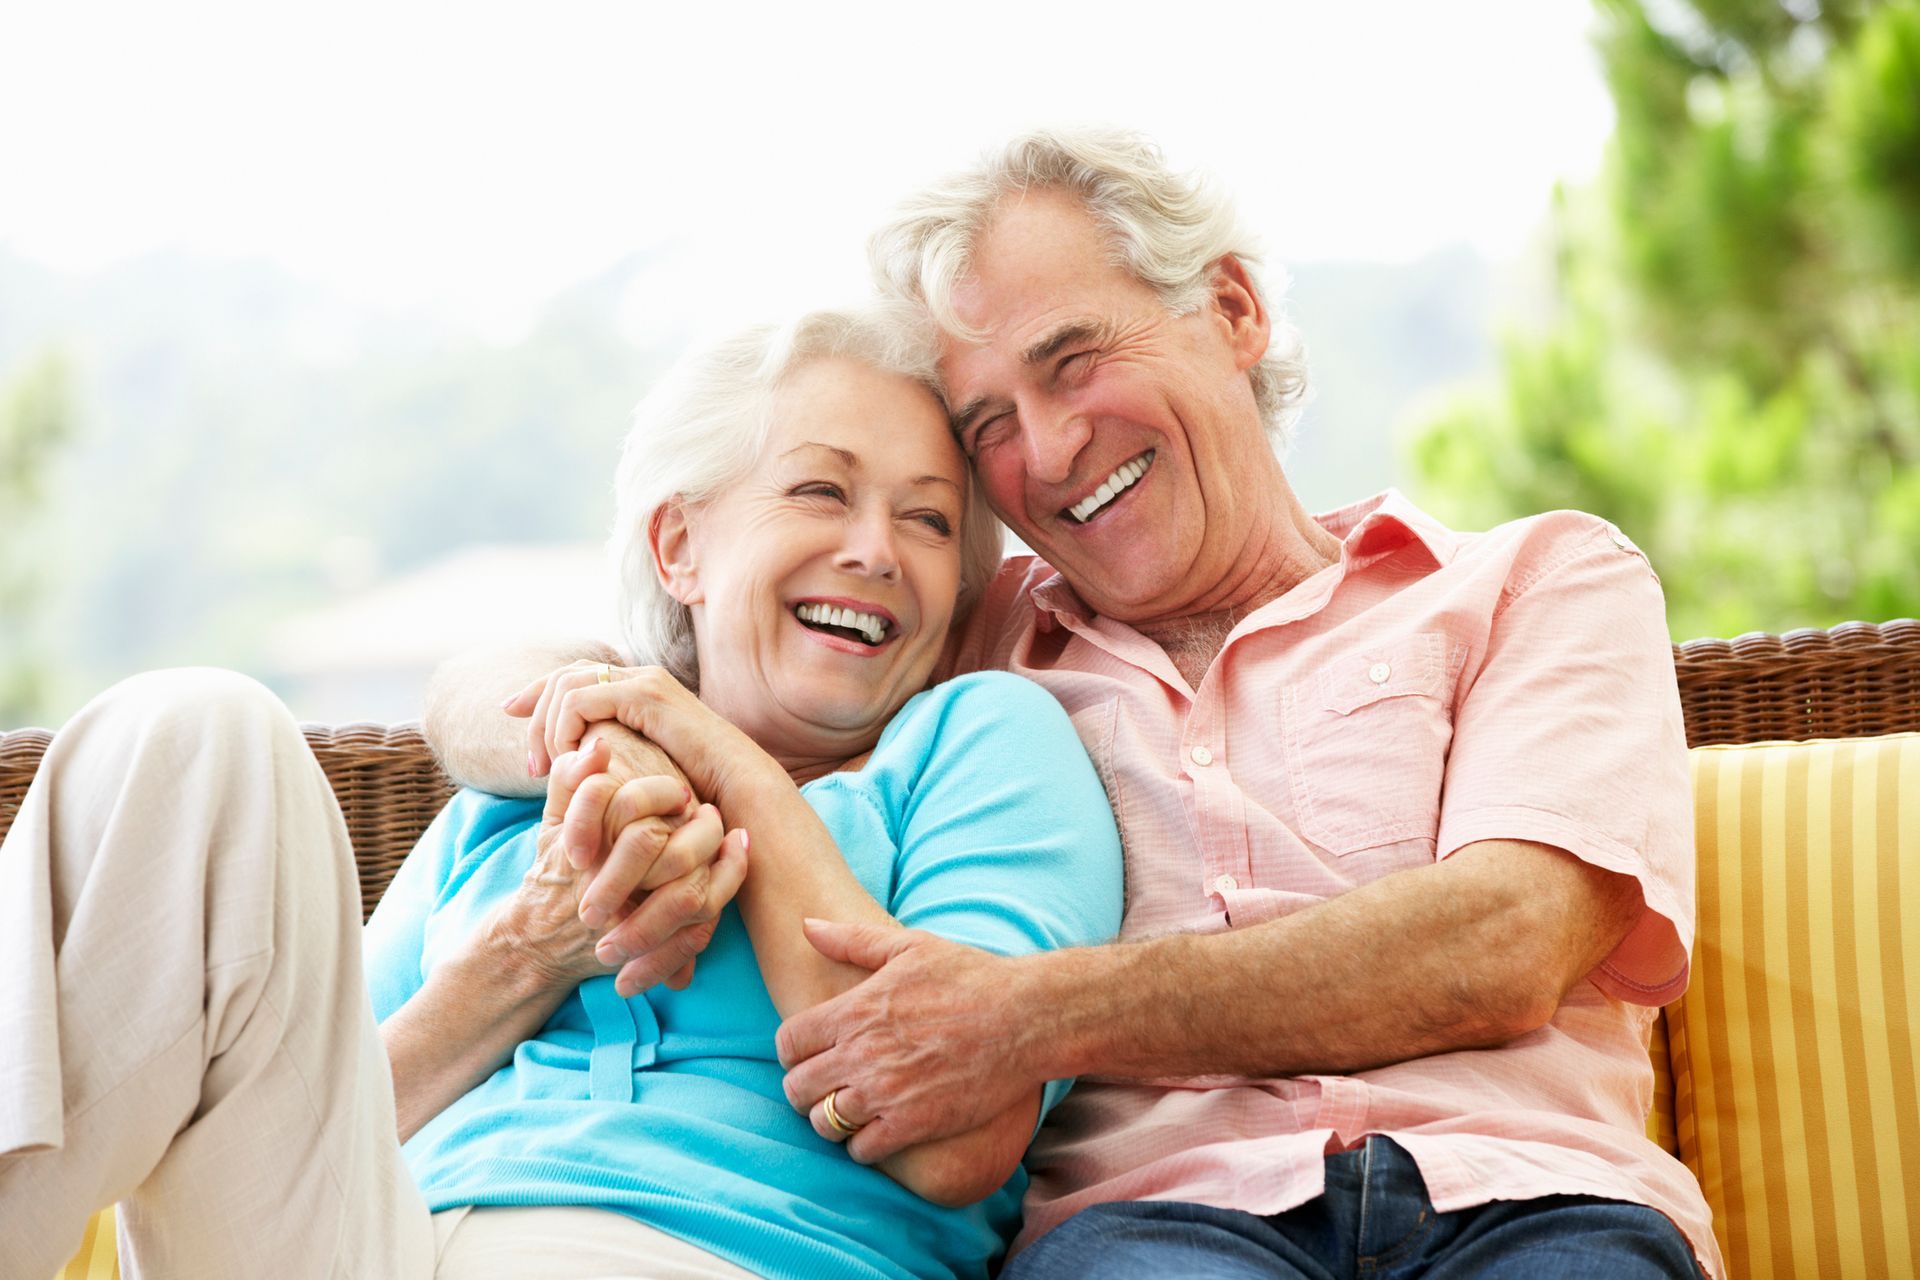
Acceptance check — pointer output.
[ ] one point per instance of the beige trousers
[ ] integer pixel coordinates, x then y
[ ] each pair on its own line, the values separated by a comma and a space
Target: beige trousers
183, 1024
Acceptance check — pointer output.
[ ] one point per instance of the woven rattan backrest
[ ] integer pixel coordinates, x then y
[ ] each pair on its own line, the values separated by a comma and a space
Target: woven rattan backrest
1853, 681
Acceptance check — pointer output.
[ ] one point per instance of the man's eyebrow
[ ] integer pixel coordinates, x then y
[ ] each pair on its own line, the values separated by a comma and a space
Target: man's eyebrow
968, 412
844, 455
1069, 334
1043, 349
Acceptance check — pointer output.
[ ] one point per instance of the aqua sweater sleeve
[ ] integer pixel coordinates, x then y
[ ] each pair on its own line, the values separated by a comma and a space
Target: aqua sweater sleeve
1007, 839
461, 836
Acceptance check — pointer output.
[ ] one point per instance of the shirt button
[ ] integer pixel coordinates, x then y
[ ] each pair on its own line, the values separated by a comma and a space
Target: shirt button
1379, 672
1226, 884
1201, 756
1623, 542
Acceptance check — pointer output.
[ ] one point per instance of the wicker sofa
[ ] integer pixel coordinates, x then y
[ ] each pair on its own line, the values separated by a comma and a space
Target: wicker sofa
1785, 1078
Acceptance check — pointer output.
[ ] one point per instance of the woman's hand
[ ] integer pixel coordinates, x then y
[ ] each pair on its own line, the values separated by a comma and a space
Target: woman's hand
546, 924
540, 703
714, 755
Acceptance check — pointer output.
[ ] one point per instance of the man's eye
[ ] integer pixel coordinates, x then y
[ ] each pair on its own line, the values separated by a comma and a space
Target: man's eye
991, 432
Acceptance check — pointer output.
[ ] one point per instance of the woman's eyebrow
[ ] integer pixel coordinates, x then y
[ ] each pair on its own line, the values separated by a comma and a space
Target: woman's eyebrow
845, 455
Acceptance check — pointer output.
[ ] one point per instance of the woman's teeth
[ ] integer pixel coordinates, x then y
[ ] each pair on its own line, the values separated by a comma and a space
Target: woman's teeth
1124, 476
870, 625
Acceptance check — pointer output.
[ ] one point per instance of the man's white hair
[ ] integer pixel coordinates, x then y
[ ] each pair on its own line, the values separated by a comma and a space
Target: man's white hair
700, 430
1167, 229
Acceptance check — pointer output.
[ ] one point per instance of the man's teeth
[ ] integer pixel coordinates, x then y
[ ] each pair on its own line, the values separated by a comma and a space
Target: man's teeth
1123, 478
872, 625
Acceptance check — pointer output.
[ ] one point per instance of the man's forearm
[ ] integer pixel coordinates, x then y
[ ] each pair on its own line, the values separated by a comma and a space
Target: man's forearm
1428, 961
477, 743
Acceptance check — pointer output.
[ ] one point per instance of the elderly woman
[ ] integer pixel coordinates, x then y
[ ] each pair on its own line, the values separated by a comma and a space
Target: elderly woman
186, 1020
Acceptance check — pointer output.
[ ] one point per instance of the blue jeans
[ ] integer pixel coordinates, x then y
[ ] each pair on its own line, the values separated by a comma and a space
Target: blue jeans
1374, 1221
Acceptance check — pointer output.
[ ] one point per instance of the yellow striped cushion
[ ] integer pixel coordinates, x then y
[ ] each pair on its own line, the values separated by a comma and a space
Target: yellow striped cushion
1794, 1050
1660, 1120
98, 1258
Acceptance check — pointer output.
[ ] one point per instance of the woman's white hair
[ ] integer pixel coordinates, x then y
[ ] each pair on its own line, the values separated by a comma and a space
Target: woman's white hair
700, 430
1168, 230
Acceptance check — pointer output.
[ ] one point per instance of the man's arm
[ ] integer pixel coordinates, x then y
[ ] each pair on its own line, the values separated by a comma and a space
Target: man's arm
1473, 951
477, 743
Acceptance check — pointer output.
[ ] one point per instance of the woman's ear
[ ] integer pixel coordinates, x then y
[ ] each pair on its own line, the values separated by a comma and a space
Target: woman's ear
671, 538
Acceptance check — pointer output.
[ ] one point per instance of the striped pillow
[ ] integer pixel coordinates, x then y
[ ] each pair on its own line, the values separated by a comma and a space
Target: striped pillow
99, 1257
1794, 1050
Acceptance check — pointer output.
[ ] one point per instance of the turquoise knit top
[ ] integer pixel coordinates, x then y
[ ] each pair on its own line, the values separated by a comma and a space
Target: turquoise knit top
978, 817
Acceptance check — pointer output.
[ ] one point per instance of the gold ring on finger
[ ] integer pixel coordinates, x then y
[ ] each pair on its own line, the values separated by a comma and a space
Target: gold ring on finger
606, 673
834, 1122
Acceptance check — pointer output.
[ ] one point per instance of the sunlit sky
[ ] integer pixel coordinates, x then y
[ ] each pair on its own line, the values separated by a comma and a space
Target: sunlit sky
472, 159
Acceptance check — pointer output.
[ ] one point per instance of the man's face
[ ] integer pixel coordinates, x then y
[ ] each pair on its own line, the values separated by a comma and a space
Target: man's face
1121, 442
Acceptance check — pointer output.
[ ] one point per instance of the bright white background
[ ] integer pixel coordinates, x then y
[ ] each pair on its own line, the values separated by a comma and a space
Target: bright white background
482, 156
352, 298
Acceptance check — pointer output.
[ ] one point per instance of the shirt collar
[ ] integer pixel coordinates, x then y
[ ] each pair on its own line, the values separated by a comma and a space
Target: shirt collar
1369, 530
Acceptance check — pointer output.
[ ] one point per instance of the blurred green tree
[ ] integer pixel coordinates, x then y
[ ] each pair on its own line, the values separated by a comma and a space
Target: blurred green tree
1732, 369
36, 420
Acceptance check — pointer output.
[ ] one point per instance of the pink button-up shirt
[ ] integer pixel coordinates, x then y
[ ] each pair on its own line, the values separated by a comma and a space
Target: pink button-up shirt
1430, 690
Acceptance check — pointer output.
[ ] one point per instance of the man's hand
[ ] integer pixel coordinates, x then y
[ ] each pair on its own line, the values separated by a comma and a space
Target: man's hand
933, 1044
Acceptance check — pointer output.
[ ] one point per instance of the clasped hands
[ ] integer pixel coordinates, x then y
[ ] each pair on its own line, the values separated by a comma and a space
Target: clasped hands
631, 873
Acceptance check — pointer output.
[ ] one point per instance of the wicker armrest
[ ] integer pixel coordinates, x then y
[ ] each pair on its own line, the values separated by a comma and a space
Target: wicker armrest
1858, 679
386, 781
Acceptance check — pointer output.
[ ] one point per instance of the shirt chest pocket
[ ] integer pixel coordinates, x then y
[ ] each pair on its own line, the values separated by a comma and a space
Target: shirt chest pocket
1366, 742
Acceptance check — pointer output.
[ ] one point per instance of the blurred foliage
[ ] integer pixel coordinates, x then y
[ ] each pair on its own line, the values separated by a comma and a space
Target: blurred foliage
1732, 372
36, 420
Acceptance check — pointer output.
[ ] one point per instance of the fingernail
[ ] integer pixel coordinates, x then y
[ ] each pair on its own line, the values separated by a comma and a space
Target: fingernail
812, 921
508, 701
531, 771
592, 917
686, 796
609, 954
746, 841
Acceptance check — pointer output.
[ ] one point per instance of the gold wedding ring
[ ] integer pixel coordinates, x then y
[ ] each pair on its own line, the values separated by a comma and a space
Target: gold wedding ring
834, 1122
606, 673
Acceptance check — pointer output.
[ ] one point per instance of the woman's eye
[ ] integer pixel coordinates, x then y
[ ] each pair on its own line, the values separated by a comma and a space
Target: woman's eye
819, 489
935, 521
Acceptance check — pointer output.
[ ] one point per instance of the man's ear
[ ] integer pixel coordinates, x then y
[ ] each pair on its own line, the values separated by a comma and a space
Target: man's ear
1239, 307
671, 538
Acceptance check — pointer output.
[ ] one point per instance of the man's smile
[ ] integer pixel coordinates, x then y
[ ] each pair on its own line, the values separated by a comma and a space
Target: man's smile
1124, 477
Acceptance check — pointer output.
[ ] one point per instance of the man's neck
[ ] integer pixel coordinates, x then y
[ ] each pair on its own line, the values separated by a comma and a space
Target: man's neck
1293, 548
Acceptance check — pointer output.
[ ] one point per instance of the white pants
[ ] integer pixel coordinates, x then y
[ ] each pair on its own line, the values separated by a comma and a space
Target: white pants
184, 1027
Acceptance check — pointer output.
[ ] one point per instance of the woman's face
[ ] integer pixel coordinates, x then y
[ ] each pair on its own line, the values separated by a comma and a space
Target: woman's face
823, 583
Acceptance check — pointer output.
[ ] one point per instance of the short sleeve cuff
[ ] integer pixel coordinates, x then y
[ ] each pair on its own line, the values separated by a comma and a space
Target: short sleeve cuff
1650, 966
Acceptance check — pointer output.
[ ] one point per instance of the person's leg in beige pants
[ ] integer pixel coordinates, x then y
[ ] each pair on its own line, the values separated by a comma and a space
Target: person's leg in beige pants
183, 1023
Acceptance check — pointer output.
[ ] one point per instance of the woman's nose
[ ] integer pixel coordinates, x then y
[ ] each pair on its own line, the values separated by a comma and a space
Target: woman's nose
869, 547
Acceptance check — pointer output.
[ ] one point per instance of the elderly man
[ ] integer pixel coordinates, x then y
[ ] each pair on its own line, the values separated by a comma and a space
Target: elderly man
1406, 812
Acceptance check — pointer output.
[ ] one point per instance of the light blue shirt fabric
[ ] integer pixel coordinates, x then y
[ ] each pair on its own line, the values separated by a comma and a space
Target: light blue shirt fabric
978, 817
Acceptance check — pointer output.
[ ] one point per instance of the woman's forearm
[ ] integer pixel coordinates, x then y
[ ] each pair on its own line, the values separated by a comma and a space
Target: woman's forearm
458, 1029
797, 870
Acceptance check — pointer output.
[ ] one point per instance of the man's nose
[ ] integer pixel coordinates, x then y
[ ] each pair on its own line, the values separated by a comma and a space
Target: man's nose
1053, 438
869, 547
